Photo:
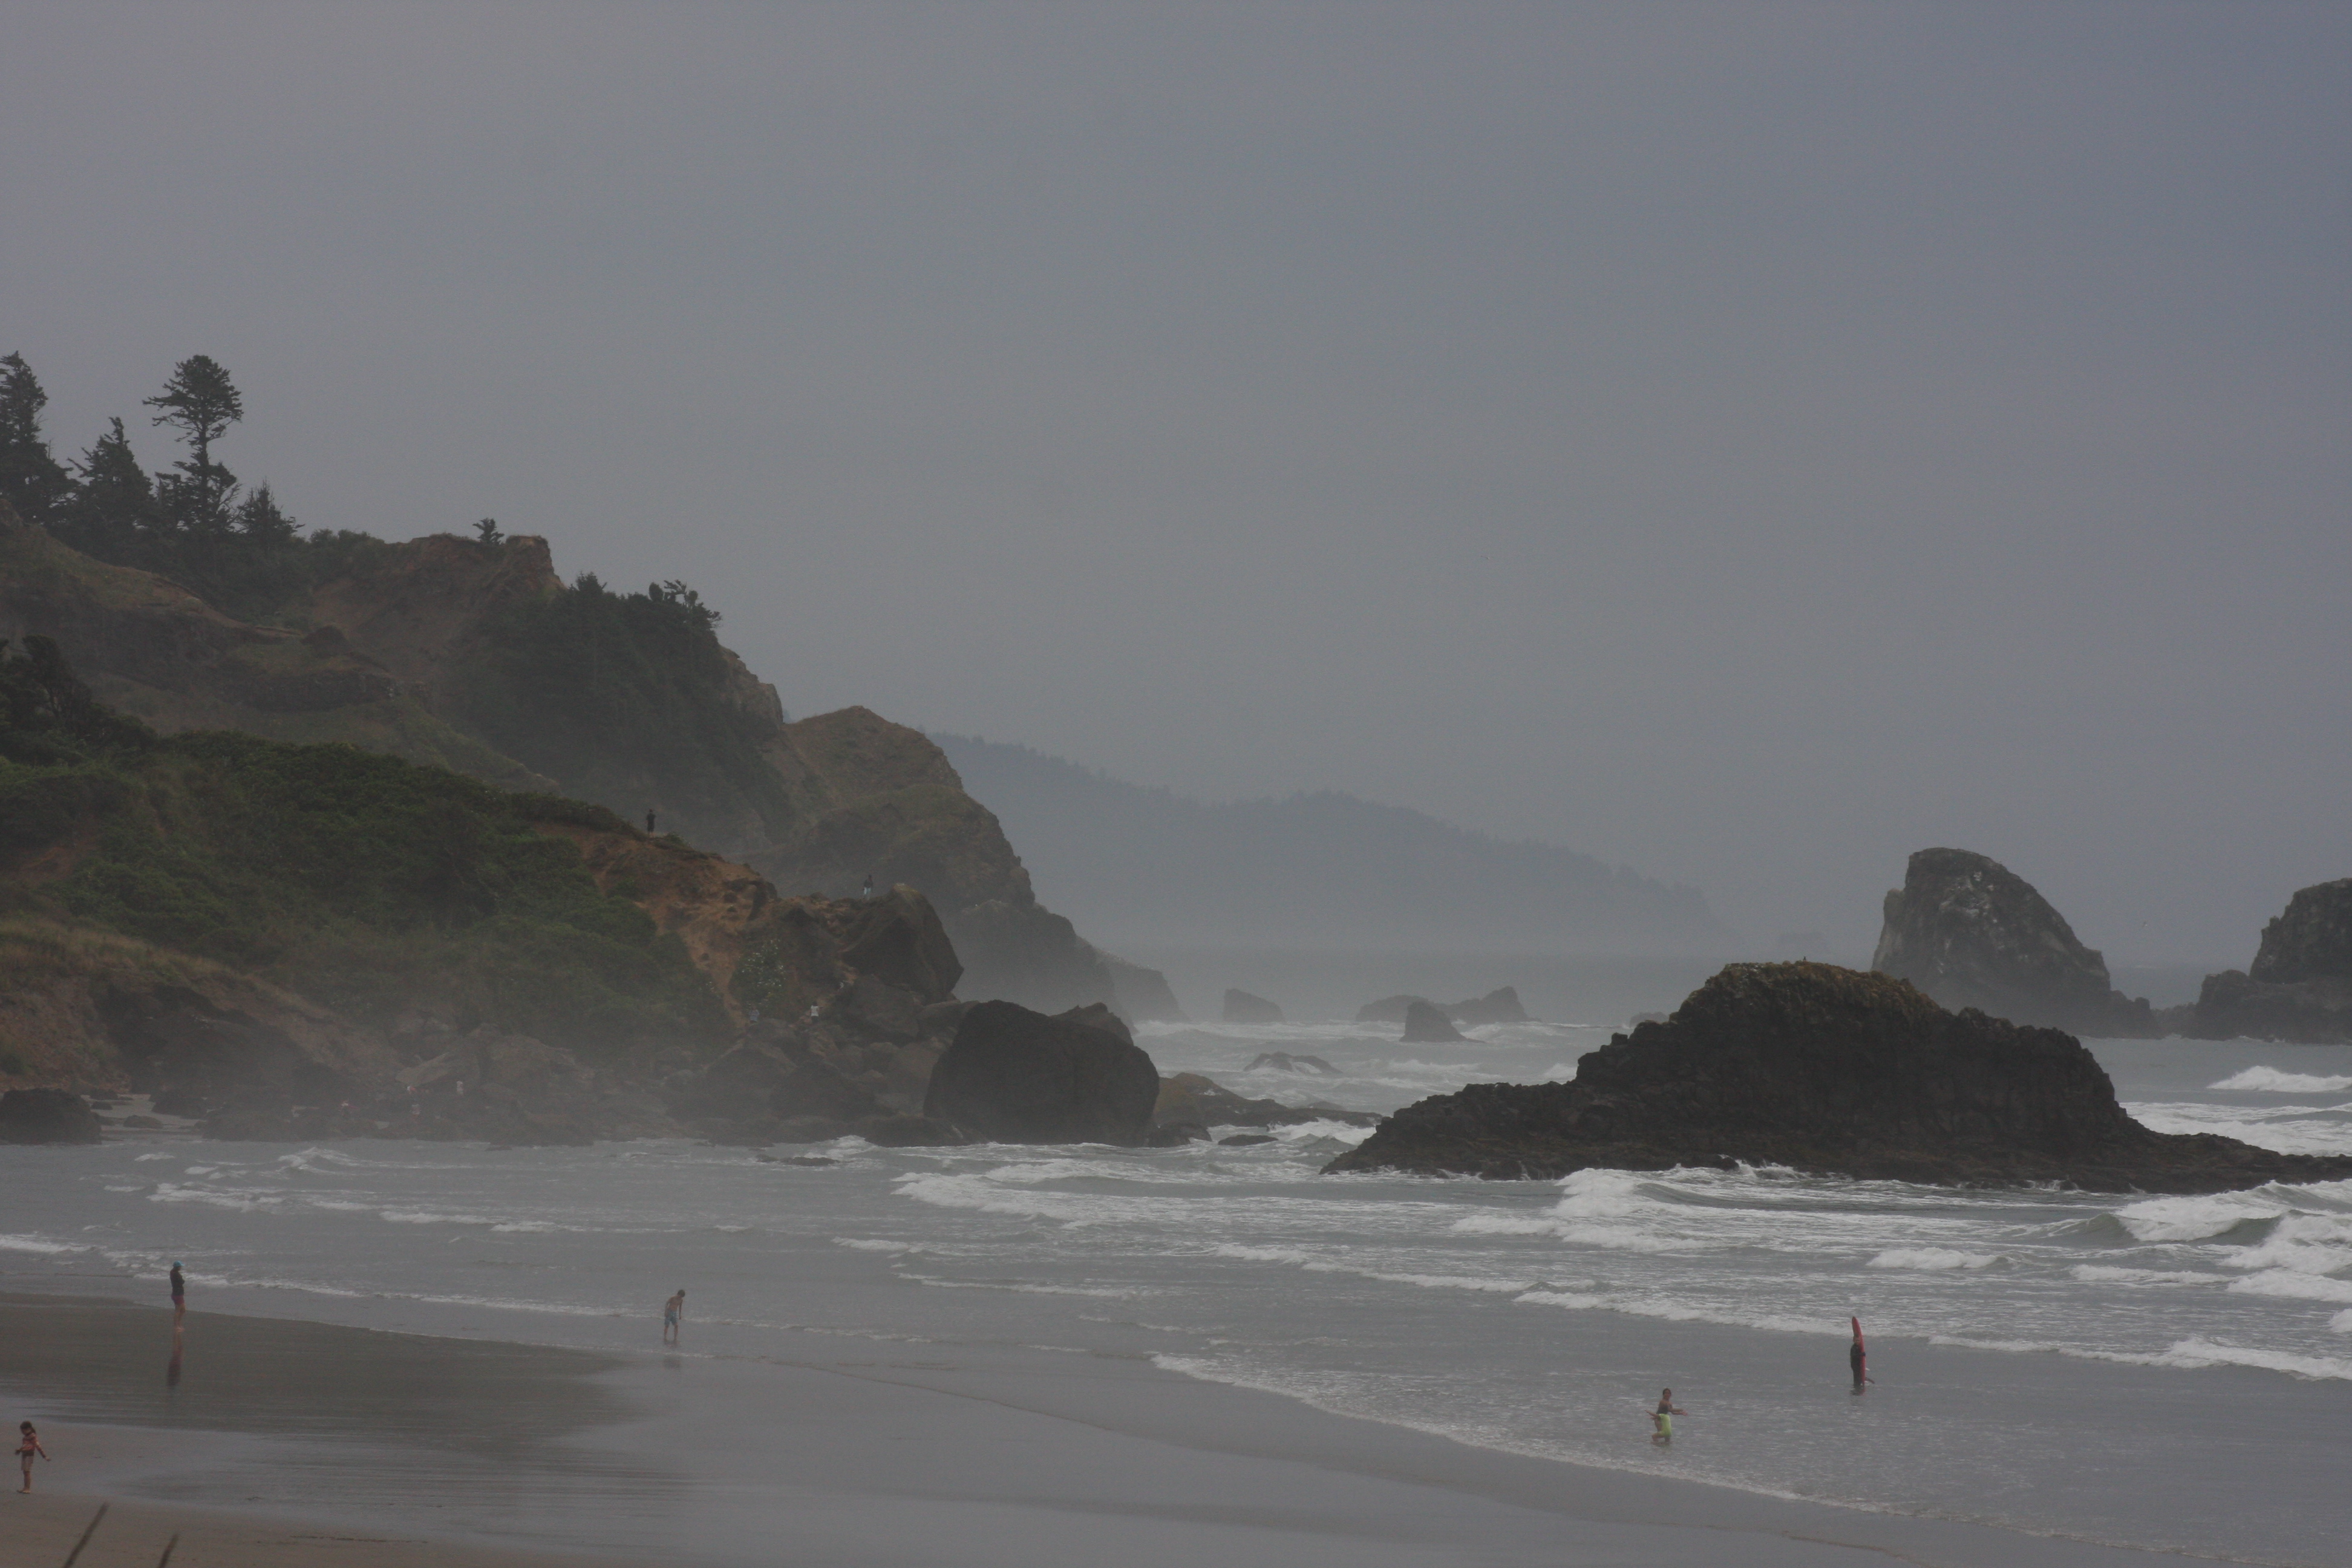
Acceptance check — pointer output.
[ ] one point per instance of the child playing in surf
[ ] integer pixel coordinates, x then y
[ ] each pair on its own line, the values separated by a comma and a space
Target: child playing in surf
1662, 1419
29, 1445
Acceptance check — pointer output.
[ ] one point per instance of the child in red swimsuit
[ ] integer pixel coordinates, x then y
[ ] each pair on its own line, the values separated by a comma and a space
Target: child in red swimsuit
26, 1449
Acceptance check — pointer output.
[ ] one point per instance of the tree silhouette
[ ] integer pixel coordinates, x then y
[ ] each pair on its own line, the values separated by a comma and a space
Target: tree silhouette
31, 481
200, 401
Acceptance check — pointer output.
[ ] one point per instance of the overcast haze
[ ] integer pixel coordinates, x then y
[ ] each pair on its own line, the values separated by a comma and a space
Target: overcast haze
1746, 443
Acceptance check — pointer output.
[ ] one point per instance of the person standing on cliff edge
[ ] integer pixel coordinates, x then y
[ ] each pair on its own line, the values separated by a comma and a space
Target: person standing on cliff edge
649, 822
1858, 1359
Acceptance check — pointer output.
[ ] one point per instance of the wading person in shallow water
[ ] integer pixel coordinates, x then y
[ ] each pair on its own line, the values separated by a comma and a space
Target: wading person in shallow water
1858, 1359
1662, 1419
672, 1310
28, 1444
179, 1288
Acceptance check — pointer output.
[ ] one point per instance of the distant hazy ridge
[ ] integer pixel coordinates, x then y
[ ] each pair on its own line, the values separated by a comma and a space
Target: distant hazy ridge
1310, 871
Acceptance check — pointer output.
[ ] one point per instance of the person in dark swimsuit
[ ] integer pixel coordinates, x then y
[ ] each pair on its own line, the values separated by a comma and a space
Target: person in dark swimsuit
1858, 1358
179, 1288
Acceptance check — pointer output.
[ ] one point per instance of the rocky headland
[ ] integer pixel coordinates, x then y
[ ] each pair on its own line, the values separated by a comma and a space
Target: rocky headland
1970, 933
473, 655
1825, 1070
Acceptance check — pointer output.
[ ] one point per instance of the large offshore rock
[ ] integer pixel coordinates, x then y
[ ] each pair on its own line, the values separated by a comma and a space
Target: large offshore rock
46, 1116
1141, 993
1241, 1007
1013, 1076
1970, 933
1828, 1070
1500, 1006
1426, 1025
2299, 986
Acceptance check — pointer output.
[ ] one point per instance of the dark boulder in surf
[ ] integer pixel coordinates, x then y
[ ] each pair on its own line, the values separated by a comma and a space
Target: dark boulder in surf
1241, 1007
1426, 1025
46, 1116
1013, 1076
1970, 933
1500, 1006
1828, 1070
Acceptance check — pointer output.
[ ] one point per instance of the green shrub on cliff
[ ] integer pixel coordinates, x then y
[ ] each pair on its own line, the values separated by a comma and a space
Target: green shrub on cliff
626, 699
369, 884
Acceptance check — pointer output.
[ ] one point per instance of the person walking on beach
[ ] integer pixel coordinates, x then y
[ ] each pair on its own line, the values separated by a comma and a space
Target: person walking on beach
28, 1444
672, 1310
179, 1289
1858, 1358
1662, 1419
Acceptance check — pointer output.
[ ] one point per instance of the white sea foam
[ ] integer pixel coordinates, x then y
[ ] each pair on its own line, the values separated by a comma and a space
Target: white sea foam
38, 1244
2198, 1218
2294, 1285
864, 1243
1933, 1257
2270, 1080
2110, 1274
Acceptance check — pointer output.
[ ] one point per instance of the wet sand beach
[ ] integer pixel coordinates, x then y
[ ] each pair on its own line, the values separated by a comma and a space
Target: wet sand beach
327, 1444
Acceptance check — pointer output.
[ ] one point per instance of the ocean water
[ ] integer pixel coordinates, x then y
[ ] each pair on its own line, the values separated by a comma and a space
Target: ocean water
2173, 1372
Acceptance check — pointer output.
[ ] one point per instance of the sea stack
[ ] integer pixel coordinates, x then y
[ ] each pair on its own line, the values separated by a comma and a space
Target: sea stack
1970, 933
2299, 986
1241, 1007
1017, 1076
1426, 1025
1827, 1071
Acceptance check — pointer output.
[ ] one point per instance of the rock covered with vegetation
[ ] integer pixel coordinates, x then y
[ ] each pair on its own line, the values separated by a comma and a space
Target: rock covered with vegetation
1970, 933
1829, 1070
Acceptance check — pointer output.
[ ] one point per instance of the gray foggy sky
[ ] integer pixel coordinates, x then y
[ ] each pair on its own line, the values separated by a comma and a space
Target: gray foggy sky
1747, 442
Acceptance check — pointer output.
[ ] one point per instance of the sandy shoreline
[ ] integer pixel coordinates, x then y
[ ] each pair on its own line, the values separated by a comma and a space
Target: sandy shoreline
307, 1443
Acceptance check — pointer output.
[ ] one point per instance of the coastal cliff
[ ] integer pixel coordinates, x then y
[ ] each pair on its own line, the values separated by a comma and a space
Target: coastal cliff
474, 655
1827, 1071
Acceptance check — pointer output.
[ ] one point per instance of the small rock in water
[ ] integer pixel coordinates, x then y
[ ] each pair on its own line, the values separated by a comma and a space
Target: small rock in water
1282, 1061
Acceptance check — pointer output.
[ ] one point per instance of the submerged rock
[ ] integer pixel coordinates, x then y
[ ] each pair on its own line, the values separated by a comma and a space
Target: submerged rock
46, 1116
1192, 1100
1282, 1061
1017, 1076
1424, 1024
1970, 933
1827, 1071
1241, 1007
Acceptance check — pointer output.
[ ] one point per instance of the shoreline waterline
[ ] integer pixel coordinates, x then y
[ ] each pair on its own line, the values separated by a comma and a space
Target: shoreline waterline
1025, 1454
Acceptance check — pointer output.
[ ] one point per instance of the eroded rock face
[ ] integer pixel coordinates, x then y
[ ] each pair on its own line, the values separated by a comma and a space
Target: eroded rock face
1972, 933
1241, 1007
2312, 940
1828, 1070
1013, 1076
1424, 1024
46, 1116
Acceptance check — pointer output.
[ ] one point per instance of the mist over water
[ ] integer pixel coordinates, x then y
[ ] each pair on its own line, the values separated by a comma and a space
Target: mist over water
2011, 1333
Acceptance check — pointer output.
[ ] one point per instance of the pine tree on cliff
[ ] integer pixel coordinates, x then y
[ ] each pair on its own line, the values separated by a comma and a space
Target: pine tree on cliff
114, 503
201, 403
31, 481
260, 520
